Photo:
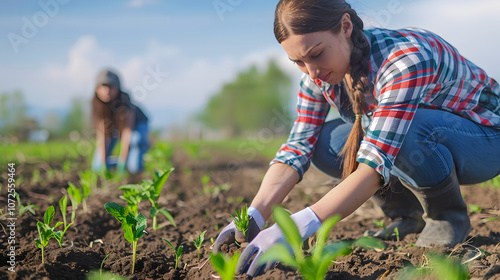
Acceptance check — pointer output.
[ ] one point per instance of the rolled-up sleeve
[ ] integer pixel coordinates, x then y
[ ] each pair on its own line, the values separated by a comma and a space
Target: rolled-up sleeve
401, 83
312, 109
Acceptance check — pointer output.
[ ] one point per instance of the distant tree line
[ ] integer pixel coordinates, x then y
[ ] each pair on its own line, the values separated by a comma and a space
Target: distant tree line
254, 100
15, 121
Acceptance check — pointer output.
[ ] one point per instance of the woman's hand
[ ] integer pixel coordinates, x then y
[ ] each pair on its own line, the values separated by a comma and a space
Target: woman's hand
227, 235
307, 223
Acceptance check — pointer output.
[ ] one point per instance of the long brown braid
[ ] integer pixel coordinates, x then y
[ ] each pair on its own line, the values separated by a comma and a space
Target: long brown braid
302, 17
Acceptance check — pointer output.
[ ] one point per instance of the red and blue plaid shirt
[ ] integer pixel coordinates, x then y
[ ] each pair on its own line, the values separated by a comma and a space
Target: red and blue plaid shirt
409, 68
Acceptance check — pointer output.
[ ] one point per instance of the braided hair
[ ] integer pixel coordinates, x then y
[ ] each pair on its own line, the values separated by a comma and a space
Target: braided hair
308, 16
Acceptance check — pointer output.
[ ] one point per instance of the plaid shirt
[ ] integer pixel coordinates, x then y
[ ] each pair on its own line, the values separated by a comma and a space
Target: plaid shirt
409, 68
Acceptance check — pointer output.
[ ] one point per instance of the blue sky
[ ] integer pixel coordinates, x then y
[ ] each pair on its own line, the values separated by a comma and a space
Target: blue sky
173, 55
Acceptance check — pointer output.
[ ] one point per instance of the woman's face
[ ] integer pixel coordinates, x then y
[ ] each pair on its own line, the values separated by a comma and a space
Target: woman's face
106, 93
322, 55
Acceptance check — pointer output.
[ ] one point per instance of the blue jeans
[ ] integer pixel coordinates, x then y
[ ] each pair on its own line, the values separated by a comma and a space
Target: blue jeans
139, 145
436, 142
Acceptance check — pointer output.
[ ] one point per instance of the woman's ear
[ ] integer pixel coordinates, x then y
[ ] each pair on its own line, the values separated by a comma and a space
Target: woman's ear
347, 25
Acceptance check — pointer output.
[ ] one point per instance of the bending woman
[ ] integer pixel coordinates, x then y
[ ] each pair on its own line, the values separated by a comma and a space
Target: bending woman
417, 120
115, 117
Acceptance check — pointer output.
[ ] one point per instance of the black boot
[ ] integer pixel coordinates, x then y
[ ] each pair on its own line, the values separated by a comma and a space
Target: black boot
399, 204
448, 223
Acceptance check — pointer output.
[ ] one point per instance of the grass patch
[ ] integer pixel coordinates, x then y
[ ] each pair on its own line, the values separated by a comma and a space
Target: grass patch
49, 151
240, 147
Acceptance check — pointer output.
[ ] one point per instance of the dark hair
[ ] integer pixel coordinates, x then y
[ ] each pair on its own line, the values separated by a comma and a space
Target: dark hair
308, 16
114, 113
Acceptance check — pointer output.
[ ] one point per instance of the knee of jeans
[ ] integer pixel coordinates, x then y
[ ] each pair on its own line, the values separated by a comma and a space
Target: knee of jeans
327, 163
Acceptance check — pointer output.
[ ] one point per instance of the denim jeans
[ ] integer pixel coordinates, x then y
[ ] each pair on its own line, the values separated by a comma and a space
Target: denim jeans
139, 145
436, 142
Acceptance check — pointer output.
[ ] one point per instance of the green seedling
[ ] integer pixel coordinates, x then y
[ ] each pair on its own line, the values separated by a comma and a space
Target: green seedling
475, 208
225, 265
102, 264
153, 194
198, 241
147, 190
314, 266
396, 233
76, 198
177, 252
133, 227
25, 208
382, 225
88, 179
209, 188
438, 267
45, 231
132, 194
241, 222
63, 205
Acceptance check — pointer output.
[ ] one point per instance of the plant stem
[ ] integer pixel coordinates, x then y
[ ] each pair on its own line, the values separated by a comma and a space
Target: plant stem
42, 254
134, 247
102, 264
154, 223
84, 206
73, 214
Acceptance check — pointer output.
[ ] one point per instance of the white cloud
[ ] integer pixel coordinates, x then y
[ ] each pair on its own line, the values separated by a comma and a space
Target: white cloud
141, 3
160, 77
63, 81
84, 58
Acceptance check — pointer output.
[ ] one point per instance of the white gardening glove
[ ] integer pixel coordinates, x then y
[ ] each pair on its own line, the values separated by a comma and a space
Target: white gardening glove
255, 224
307, 222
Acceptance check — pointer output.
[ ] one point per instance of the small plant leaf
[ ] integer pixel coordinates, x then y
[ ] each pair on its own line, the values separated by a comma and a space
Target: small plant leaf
63, 204
322, 235
475, 208
178, 253
116, 210
279, 252
224, 265
158, 184
241, 220
379, 223
445, 268
199, 239
167, 215
141, 223
38, 243
58, 224
331, 253
128, 232
169, 243
153, 211
367, 242
288, 227
49, 215
74, 193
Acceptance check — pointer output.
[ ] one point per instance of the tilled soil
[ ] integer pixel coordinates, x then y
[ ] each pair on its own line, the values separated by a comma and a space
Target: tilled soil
96, 234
